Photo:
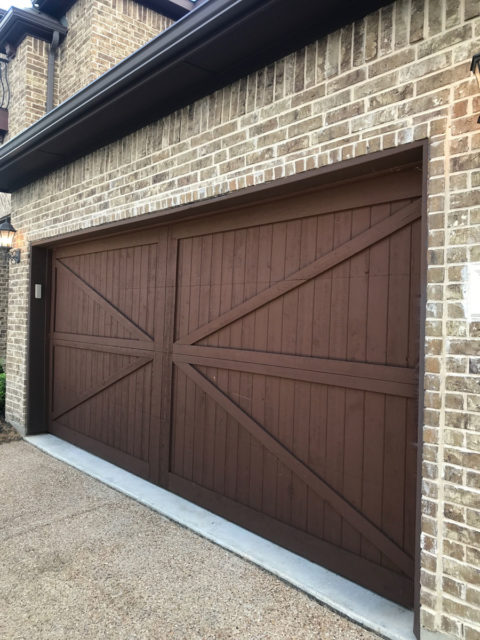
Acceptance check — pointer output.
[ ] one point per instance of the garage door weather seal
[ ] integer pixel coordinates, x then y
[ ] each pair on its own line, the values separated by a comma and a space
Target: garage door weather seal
357, 603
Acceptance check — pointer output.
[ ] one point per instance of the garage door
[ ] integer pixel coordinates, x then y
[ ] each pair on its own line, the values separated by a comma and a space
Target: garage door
262, 362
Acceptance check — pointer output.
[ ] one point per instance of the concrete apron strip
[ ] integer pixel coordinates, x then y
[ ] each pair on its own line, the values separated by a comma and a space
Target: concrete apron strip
360, 605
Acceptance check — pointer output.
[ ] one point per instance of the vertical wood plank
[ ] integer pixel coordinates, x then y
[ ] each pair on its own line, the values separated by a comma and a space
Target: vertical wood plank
398, 304
238, 284
285, 435
208, 464
410, 474
205, 280
322, 290
415, 297
275, 308
215, 285
108, 290
372, 489
263, 281
198, 428
300, 447
226, 299
353, 463
257, 452
354, 400
190, 399
166, 280
178, 421
290, 301
251, 267
195, 274
378, 293
293, 507
270, 475
136, 285
244, 440
221, 425
232, 439
183, 287
394, 468
317, 454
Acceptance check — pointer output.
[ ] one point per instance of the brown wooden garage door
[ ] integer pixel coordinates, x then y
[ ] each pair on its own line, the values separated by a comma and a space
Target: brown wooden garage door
263, 363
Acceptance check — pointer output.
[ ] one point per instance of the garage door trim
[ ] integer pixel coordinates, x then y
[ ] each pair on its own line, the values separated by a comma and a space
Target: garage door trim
38, 312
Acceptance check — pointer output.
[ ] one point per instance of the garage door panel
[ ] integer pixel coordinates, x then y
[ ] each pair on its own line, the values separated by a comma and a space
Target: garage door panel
242, 278
102, 348
117, 415
290, 464
79, 371
235, 463
368, 325
330, 439
124, 277
336, 260
81, 309
81, 314
231, 267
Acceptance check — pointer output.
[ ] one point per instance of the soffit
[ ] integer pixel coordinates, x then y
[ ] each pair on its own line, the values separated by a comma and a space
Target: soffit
174, 9
215, 44
16, 23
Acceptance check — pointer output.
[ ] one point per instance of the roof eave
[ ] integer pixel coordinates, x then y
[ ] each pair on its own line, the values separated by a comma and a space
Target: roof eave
174, 9
219, 42
17, 23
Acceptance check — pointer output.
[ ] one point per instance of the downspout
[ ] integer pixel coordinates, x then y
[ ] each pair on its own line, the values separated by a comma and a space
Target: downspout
51, 69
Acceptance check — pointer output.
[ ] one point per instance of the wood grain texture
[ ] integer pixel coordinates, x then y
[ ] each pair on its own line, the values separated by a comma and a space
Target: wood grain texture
297, 348
344, 251
264, 363
103, 348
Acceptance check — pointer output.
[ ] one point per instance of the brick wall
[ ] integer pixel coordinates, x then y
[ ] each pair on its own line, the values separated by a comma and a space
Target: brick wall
27, 76
3, 309
101, 33
401, 74
4, 211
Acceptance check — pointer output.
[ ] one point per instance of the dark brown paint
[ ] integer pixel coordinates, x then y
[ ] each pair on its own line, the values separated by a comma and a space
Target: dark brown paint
346, 171
256, 321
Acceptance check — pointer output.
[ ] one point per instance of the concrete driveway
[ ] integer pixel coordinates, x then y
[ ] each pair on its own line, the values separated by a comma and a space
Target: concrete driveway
79, 560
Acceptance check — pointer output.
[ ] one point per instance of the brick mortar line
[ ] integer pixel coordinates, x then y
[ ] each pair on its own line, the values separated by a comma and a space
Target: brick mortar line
464, 526
441, 436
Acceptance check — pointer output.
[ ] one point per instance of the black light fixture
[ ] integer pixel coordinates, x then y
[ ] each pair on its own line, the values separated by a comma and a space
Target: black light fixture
7, 233
475, 69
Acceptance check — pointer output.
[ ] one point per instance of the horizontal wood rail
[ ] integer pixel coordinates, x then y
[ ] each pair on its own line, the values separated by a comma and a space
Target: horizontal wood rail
392, 380
364, 193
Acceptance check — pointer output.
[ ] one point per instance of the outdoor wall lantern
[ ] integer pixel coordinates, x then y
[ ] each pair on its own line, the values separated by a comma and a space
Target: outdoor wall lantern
475, 68
7, 233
